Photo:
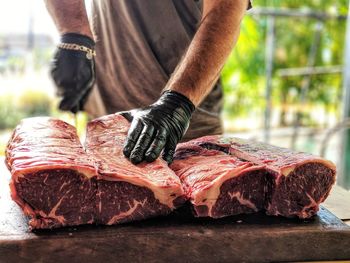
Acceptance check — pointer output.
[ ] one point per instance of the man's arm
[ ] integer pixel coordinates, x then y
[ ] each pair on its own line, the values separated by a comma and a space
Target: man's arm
216, 36
69, 16
73, 67
161, 125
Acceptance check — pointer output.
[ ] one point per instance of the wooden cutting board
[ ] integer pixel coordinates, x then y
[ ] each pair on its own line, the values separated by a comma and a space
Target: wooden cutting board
176, 238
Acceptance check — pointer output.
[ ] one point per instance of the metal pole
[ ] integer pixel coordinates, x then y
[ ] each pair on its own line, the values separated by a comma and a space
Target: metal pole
297, 13
30, 37
287, 72
269, 54
344, 175
305, 86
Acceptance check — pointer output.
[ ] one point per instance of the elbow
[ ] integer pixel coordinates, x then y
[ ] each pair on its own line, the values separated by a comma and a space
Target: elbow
225, 9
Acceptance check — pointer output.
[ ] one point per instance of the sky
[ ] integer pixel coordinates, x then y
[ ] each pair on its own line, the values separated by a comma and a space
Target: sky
15, 17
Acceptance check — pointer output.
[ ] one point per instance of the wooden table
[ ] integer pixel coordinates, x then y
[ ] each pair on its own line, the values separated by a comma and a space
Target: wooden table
180, 237
338, 202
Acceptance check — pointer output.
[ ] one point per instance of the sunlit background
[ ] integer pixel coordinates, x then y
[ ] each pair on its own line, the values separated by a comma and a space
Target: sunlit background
283, 82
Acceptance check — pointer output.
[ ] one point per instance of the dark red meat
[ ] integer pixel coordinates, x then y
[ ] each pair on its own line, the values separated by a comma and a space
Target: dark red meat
296, 182
52, 176
218, 184
128, 192
57, 183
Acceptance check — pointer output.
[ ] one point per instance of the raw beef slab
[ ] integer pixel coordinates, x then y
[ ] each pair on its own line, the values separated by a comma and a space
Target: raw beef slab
128, 192
218, 184
296, 183
57, 183
52, 176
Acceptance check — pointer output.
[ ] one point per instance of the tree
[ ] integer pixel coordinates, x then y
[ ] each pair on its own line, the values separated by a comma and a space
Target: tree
243, 76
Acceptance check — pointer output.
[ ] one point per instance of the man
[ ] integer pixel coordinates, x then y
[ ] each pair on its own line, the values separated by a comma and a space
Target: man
157, 60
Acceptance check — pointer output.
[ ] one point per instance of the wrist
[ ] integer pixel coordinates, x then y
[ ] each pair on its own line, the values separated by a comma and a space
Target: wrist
80, 30
79, 39
78, 43
178, 100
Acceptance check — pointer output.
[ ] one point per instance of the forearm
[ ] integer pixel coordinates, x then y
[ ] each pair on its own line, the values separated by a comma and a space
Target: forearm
216, 36
69, 16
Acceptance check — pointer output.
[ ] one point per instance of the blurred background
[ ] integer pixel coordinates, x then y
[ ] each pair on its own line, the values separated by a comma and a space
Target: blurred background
286, 82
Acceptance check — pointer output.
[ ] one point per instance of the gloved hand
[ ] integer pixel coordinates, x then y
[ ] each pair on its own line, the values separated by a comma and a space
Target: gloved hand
73, 71
157, 127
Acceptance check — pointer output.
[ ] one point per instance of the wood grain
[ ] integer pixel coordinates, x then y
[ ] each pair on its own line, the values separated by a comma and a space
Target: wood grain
338, 202
176, 238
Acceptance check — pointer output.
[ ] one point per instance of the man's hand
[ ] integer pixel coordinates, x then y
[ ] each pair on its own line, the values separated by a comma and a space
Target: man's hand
157, 127
73, 71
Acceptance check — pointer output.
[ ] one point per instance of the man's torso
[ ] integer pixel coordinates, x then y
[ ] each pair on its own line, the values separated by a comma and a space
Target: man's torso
139, 44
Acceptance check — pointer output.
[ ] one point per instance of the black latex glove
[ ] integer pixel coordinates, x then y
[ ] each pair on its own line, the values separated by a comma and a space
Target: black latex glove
157, 127
73, 72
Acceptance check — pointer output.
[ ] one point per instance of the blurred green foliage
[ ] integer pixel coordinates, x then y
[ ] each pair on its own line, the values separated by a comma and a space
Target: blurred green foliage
30, 103
9, 115
42, 57
243, 75
34, 103
16, 63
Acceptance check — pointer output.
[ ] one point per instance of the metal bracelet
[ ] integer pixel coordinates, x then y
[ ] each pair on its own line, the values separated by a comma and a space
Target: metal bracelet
90, 53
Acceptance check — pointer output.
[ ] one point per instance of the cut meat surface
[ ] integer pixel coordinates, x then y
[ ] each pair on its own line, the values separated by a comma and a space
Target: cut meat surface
128, 192
297, 182
57, 183
218, 184
52, 176
56, 198
303, 181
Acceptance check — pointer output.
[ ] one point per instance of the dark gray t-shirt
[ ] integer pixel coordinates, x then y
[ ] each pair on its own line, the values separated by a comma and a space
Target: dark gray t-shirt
138, 44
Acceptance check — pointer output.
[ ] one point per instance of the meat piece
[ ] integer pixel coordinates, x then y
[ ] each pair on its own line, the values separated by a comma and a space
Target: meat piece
128, 192
218, 184
52, 176
301, 181
57, 183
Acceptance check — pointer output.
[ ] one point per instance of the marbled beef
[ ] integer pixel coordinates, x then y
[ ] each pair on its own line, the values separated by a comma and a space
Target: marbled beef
295, 183
218, 184
128, 192
53, 179
58, 183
